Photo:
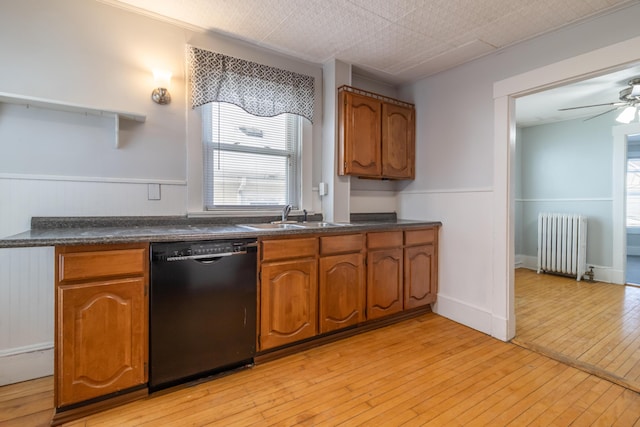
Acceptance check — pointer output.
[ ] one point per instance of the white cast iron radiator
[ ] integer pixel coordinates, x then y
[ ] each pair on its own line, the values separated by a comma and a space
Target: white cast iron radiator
562, 244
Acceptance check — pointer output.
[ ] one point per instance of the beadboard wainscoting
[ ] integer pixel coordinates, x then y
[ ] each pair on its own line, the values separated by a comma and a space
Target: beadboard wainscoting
26, 313
26, 274
465, 252
26, 196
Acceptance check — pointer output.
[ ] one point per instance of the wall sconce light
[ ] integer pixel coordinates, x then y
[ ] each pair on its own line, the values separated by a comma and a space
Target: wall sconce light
160, 94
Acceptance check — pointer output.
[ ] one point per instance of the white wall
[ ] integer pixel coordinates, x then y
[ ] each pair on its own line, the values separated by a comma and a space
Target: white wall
455, 152
567, 167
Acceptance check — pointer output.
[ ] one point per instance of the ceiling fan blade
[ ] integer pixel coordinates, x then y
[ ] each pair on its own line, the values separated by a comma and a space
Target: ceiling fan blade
601, 114
617, 104
635, 91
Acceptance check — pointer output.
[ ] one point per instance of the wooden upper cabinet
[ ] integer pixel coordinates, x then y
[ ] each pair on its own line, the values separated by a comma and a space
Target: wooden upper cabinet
398, 142
360, 148
101, 321
376, 135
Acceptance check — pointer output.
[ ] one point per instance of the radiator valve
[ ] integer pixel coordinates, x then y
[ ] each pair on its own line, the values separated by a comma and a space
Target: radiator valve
590, 274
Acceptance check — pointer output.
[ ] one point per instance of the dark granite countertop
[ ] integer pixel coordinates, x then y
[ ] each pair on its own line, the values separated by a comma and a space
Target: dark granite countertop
104, 230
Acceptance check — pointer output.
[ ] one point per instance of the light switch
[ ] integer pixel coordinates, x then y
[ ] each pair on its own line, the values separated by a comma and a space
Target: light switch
323, 189
154, 191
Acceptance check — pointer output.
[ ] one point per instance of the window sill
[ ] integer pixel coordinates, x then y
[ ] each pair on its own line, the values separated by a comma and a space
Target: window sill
242, 213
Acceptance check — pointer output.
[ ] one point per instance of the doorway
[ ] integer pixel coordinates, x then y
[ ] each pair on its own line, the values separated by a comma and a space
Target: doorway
616, 209
632, 210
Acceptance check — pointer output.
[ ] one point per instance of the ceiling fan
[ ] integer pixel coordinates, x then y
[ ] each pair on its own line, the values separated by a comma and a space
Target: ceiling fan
629, 97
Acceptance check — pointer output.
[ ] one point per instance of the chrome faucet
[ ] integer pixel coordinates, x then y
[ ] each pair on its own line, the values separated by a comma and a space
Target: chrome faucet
285, 212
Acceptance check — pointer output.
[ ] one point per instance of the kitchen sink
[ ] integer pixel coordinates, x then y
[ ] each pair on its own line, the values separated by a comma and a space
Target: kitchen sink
320, 224
271, 226
291, 226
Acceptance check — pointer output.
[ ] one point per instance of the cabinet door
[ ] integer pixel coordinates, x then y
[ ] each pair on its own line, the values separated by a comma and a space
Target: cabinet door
102, 342
384, 282
289, 298
398, 142
419, 276
342, 298
360, 135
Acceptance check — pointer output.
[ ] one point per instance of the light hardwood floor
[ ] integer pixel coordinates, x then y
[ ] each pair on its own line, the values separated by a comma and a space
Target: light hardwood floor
594, 326
424, 371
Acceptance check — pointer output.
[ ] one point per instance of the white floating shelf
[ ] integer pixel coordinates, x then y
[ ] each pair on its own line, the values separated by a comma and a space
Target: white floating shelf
30, 101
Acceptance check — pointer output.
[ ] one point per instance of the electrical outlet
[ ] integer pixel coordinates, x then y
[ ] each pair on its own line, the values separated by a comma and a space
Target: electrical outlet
154, 192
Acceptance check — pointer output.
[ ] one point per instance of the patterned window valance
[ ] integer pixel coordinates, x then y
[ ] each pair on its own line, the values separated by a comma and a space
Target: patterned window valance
259, 89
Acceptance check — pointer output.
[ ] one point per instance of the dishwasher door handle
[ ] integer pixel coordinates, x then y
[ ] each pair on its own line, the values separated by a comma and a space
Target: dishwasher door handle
204, 258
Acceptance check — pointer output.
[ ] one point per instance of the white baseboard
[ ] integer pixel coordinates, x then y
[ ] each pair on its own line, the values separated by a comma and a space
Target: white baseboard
26, 366
529, 262
518, 262
601, 273
462, 312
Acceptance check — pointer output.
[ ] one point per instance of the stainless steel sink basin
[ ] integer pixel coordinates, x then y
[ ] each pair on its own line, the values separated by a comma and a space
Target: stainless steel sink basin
271, 226
320, 224
291, 226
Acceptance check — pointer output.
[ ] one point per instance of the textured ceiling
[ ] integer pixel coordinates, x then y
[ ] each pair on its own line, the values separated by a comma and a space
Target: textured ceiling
395, 40
543, 107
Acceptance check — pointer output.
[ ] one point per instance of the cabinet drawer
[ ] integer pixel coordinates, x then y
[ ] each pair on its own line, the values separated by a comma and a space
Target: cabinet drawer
341, 244
385, 239
99, 264
289, 248
418, 237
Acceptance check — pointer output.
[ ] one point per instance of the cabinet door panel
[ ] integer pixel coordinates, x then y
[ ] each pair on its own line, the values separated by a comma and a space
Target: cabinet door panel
419, 274
398, 141
103, 341
384, 282
289, 302
342, 291
360, 133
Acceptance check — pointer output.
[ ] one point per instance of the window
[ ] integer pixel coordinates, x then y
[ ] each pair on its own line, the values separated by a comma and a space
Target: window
250, 161
633, 192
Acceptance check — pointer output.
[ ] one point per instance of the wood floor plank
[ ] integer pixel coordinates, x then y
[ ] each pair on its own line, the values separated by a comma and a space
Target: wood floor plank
594, 326
598, 407
567, 415
423, 371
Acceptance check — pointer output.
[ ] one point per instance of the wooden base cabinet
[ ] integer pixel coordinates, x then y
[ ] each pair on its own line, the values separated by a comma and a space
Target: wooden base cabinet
288, 291
384, 274
342, 282
420, 267
316, 285
101, 321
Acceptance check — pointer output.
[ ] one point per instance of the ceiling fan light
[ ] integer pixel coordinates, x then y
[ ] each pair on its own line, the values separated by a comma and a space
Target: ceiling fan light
627, 115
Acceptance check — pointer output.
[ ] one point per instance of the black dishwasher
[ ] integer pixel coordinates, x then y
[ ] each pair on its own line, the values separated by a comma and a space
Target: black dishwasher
202, 309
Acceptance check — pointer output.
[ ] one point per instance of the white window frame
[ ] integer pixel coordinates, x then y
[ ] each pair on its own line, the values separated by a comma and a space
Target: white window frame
293, 153
310, 154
